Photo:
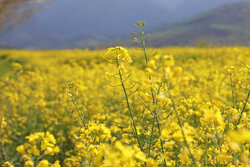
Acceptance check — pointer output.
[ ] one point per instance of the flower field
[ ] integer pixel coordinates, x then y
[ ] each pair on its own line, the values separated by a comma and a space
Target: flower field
126, 107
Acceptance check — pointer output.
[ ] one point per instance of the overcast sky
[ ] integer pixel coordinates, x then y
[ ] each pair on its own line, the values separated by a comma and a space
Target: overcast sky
70, 20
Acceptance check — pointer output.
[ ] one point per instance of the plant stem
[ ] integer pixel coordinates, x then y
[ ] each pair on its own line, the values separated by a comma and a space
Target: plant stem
143, 45
78, 111
153, 98
244, 108
152, 133
233, 93
182, 131
158, 125
129, 108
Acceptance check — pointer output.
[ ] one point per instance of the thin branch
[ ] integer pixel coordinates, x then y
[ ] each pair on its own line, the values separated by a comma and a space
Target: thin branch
244, 108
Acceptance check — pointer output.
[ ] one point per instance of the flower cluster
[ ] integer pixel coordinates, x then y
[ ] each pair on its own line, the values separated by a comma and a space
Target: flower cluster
182, 107
39, 144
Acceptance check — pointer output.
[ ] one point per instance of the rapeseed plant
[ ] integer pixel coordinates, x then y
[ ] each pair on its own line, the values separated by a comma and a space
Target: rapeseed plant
174, 107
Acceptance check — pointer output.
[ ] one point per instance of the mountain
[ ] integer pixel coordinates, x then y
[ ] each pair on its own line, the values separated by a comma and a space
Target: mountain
82, 23
225, 25
66, 23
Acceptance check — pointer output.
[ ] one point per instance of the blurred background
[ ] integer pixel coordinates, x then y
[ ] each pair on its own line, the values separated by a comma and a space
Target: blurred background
54, 24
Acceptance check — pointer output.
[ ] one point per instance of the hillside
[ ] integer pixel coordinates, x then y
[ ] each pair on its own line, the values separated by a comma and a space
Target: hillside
64, 24
226, 25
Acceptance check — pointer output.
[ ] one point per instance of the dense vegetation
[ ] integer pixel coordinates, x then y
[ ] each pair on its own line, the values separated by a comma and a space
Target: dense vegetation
166, 107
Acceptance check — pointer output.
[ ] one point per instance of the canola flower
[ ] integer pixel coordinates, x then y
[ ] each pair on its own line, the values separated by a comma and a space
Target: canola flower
38, 145
117, 53
182, 107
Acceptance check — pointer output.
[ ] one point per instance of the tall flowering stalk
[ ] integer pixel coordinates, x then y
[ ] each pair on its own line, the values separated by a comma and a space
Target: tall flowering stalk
140, 24
120, 56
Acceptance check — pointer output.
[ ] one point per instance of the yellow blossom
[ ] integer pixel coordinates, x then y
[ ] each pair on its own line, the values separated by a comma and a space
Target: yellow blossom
28, 163
43, 163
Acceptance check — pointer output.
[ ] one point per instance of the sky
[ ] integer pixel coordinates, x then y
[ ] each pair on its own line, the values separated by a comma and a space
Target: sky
62, 21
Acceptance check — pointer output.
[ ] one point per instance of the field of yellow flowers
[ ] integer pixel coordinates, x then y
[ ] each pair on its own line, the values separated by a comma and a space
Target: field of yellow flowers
125, 107
116, 107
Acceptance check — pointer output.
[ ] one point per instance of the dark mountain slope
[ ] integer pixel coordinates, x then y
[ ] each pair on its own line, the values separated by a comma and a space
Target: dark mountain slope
226, 25
81, 23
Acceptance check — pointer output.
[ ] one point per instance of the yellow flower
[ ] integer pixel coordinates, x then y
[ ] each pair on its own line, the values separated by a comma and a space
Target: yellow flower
135, 40
140, 156
151, 64
21, 149
169, 144
233, 146
225, 158
56, 149
28, 163
184, 155
49, 138
241, 136
178, 136
140, 23
165, 133
184, 80
34, 151
177, 71
16, 66
151, 163
43, 163
214, 116
122, 68
169, 60
7, 164
56, 164
34, 137
49, 151
3, 123
118, 53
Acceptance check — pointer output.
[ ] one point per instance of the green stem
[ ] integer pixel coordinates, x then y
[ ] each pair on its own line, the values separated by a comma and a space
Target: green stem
143, 45
182, 131
244, 108
129, 108
152, 133
233, 93
153, 98
78, 111
158, 124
